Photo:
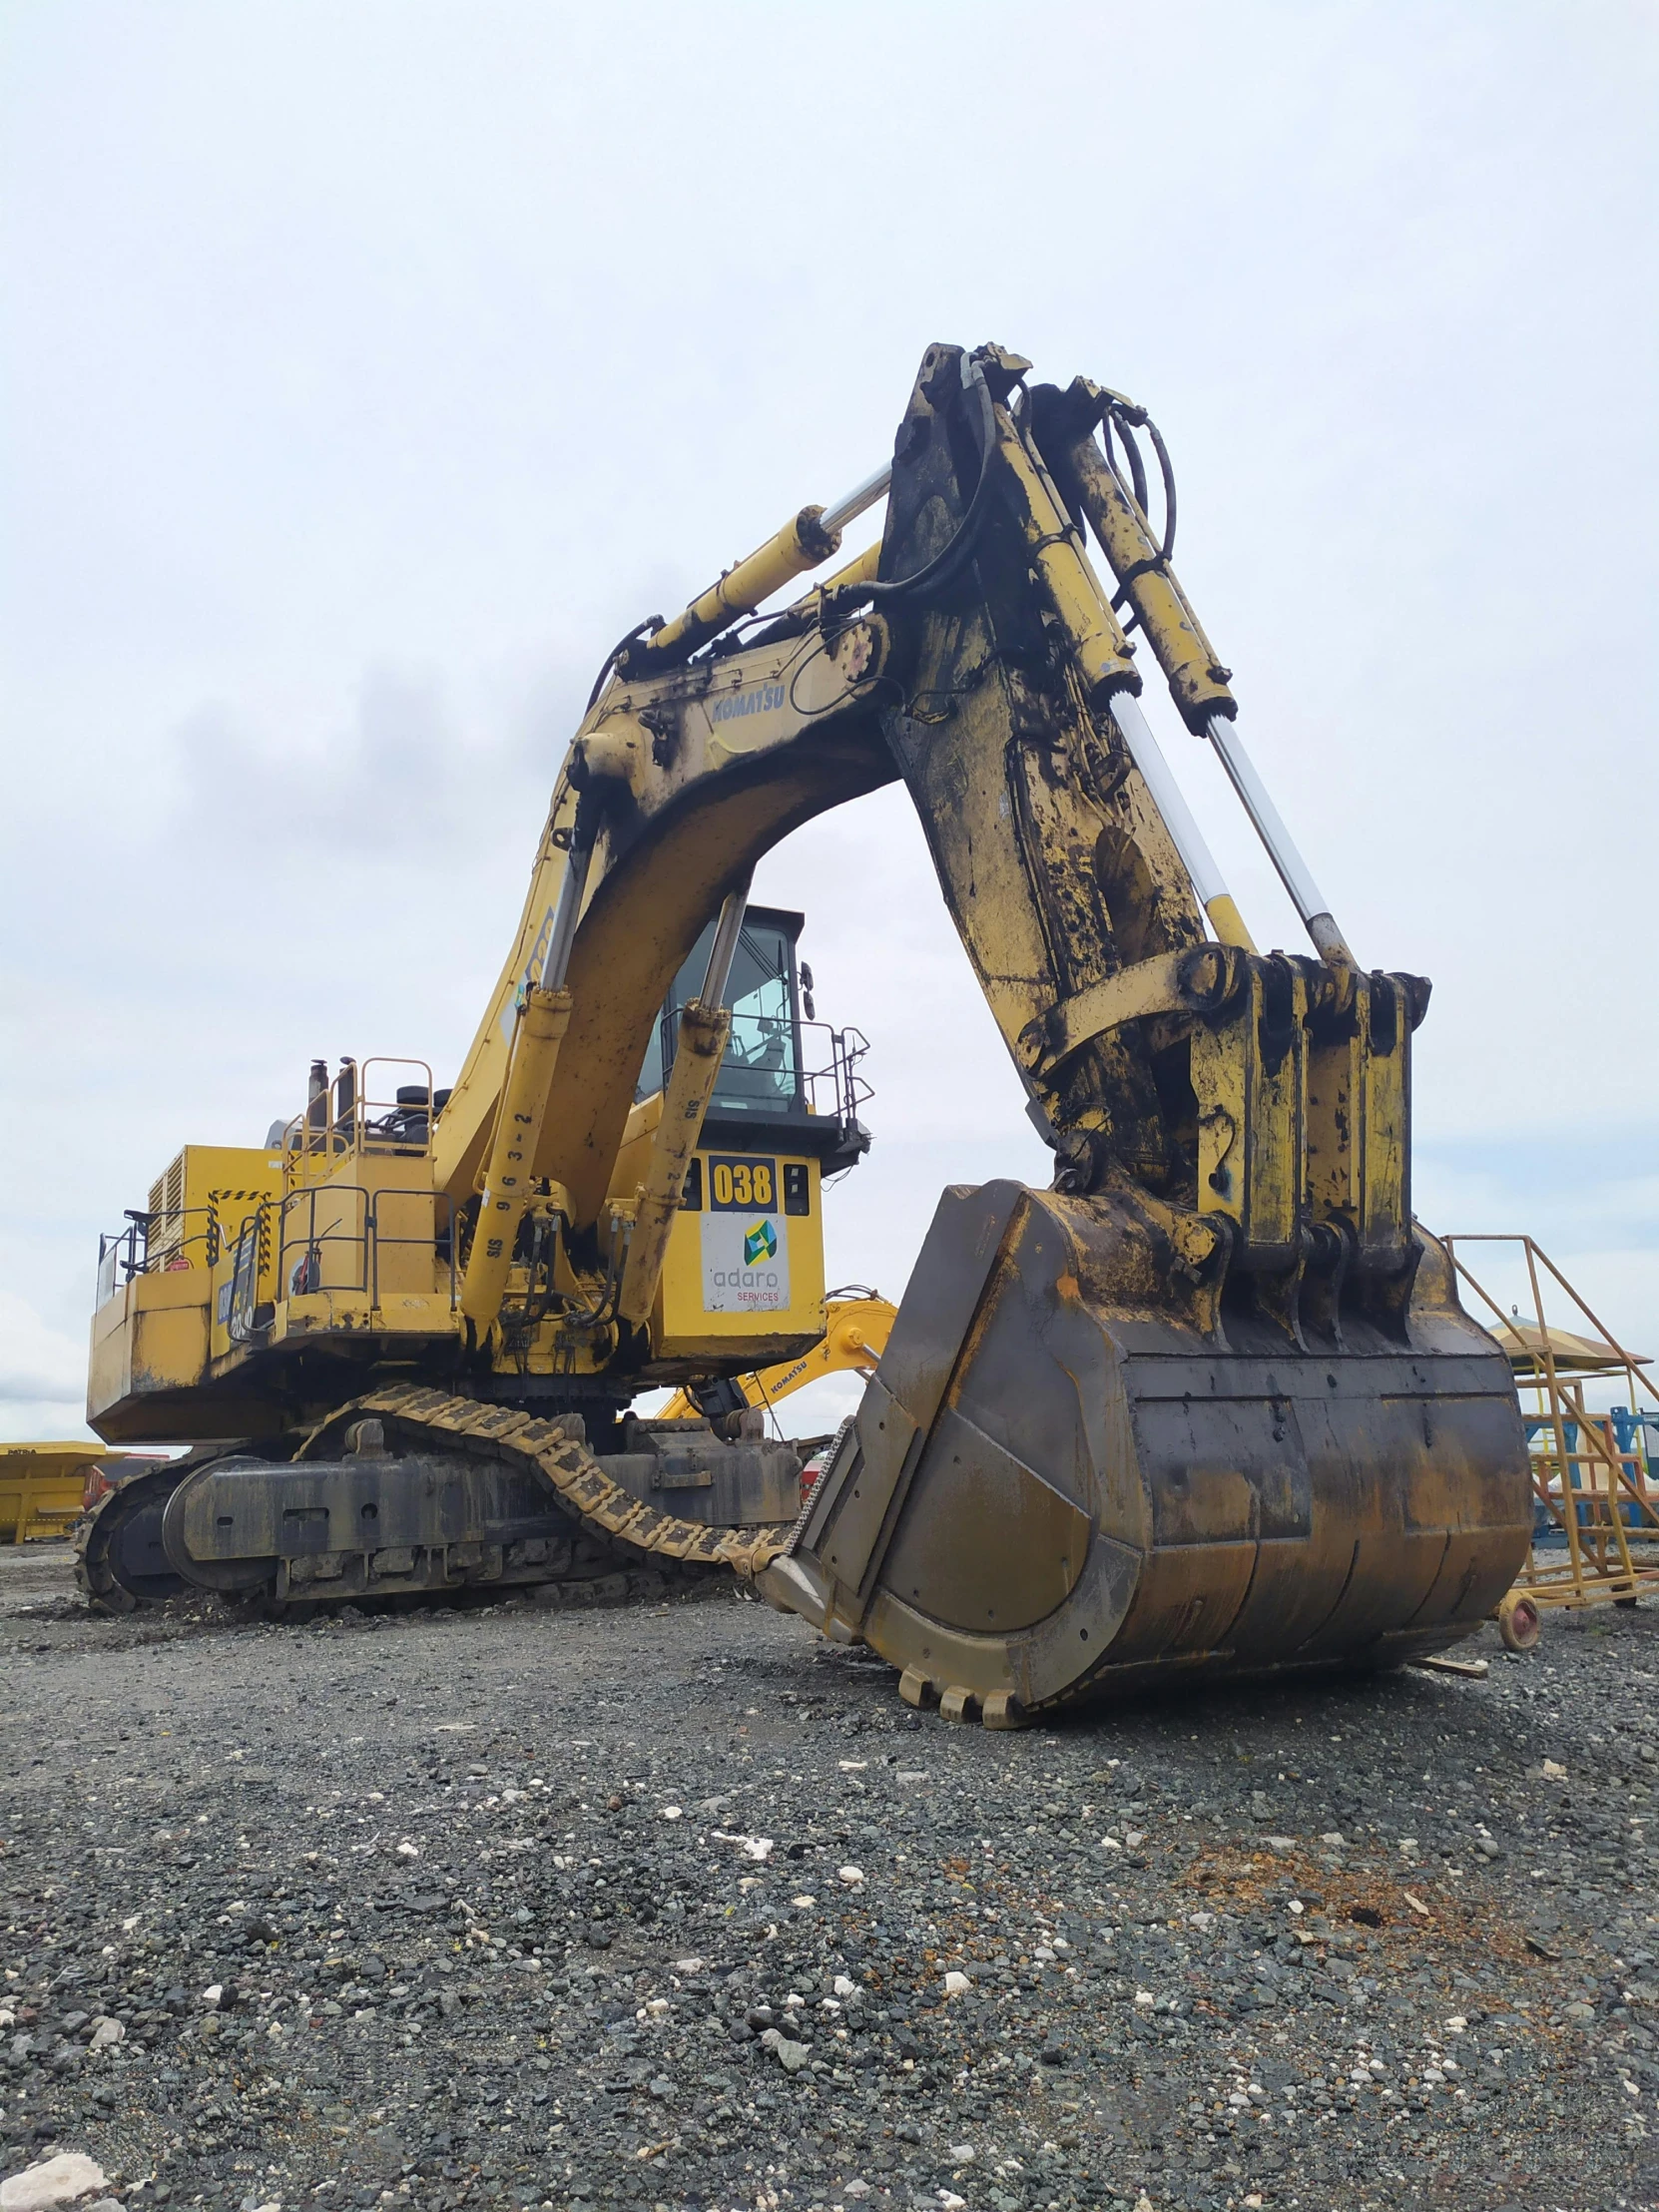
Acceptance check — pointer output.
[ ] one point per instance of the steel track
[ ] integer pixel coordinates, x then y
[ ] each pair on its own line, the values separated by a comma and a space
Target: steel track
624, 1535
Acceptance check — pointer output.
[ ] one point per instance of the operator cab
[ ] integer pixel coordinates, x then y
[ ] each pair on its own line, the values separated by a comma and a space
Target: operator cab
785, 1082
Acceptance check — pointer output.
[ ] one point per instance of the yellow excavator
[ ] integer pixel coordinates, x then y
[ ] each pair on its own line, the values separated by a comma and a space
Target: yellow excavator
1207, 1405
857, 1324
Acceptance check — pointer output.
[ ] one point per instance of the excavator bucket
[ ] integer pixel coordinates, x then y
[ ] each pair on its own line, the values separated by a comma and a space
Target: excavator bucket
1068, 1480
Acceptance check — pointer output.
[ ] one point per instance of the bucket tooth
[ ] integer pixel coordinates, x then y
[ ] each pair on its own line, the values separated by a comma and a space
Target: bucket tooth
1003, 1710
915, 1689
957, 1704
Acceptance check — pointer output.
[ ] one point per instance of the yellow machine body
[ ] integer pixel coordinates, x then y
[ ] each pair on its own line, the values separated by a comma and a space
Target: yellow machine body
346, 1256
155, 1334
740, 1270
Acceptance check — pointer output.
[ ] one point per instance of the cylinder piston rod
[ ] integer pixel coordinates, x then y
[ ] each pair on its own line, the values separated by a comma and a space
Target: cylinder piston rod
568, 911
805, 542
1294, 872
858, 501
1189, 839
728, 930
705, 1029
1198, 682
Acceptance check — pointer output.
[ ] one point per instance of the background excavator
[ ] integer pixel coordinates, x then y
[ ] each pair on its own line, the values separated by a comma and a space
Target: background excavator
1209, 1404
857, 1324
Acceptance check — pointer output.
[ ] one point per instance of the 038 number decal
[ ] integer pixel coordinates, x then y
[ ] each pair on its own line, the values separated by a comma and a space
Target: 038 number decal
739, 1185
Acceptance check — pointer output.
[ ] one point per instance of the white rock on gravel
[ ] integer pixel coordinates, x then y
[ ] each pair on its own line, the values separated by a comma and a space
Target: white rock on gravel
753, 1847
107, 2031
956, 1983
58, 2180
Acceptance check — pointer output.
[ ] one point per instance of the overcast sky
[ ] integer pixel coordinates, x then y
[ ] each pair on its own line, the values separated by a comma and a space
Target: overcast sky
370, 367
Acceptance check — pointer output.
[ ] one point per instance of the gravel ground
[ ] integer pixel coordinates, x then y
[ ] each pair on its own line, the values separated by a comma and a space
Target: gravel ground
662, 1908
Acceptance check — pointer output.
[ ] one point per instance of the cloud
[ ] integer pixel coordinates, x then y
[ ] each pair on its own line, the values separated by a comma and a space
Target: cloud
1598, 1226
397, 778
41, 1368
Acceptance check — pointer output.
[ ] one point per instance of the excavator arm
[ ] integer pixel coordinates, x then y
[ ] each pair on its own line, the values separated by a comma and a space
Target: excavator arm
981, 658
1210, 1402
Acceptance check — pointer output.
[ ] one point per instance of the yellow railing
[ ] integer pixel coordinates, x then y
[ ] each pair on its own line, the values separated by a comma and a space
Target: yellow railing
1594, 1491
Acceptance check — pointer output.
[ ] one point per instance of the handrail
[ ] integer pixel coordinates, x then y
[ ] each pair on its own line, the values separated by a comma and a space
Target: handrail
306, 1277
1588, 1482
347, 1117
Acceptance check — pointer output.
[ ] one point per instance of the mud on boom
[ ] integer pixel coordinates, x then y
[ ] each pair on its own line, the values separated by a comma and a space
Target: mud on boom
1207, 1403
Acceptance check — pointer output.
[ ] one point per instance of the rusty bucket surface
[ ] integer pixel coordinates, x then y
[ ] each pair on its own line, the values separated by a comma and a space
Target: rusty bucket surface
1058, 1484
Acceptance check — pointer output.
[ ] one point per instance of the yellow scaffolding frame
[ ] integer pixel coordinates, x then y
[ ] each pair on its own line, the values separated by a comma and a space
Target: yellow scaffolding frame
1598, 1492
